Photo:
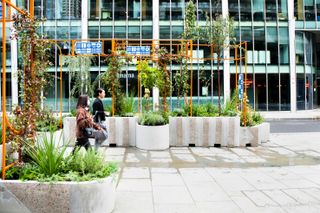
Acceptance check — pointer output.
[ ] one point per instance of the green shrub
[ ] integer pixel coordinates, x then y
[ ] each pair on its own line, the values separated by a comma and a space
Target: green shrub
46, 156
46, 121
231, 106
178, 112
252, 117
128, 108
153, 119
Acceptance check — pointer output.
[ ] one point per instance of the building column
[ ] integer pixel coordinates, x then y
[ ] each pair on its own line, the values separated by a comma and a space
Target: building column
14, 67
84, 19
226, 63
292, 35
155, 36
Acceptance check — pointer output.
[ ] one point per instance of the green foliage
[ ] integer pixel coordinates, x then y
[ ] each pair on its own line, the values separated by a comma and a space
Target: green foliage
253, 118
128, 106
35, 53
149, 75
47, 121
153, 119
190, 30
179, 112
46, 156
79, 68
202, 110
231, 106
73, 112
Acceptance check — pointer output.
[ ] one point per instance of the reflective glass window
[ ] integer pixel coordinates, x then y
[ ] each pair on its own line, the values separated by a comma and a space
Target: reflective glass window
134, 9
284, 45
164, 32
271, 10
272, 46
120, 32
106, 9
146, 32
120, 10
258, 10
75, 33
245, 10
94, 9
134, 32
298, 10
105, 32
285, 91
176, 32
63, 32
93, 32
203, 9
299, 48
282, 10
146, 9
49, 9
273, 92
234, 9
177, 6
300, 91
309, 10
260, 92
164, 10
318, 10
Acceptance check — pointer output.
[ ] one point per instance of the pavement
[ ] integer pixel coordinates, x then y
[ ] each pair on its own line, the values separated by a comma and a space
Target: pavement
287, 115
282, 175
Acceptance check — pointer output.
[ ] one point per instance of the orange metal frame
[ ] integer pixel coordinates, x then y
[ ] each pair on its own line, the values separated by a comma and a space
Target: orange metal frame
155, 44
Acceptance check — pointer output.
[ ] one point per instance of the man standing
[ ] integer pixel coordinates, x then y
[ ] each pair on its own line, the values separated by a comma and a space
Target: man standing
97, 106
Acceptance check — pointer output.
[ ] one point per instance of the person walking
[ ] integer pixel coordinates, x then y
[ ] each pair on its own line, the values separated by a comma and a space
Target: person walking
97, 106
84, 120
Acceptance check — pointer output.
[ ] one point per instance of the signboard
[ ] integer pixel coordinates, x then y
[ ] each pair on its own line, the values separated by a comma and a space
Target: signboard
0, 10
138, 50
88, 47
240, 86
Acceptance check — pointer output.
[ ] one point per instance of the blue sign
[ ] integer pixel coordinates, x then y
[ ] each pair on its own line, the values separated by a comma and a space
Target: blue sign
138, 50
240, 86
88, 47
0, 10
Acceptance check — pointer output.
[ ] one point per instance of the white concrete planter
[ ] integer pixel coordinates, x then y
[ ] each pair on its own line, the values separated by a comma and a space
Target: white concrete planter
152, 137
57, 137
204, 131
254, 135
64, 197
121, 131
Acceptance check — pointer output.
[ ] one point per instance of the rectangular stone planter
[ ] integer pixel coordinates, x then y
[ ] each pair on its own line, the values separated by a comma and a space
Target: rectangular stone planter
63, 197
254, 135
121, 131
204, 131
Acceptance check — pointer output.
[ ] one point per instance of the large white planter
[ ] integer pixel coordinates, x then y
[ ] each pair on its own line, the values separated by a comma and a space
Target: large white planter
63, 197
152, 137
121, 131
204, 131
57, 137
254, 135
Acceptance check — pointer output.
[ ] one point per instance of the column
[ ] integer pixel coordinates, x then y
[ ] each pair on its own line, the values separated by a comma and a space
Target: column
84, 19
14, 67
292, 34
226, 64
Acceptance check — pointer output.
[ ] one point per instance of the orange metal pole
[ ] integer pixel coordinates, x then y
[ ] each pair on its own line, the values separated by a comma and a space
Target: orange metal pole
236, 57
4, 127
113, 55
245, 86
15, 7
31, 8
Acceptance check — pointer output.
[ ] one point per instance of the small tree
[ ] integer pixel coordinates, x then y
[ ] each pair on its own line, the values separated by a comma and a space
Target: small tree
219, 33
79, 68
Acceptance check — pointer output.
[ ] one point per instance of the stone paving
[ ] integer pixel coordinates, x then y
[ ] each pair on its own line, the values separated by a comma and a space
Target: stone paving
282, 175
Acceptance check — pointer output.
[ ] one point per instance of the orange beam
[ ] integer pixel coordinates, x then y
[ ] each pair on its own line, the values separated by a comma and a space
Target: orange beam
4, 89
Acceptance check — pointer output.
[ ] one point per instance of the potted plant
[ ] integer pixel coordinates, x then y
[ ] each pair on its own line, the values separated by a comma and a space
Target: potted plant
152, 131
51, 178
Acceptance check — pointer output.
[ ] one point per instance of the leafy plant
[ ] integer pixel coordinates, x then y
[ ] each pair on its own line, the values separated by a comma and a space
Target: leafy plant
253, 118
231, 106
47, 122
128, 106
46, 156
153, 119
79, 68
178, 112
202, 110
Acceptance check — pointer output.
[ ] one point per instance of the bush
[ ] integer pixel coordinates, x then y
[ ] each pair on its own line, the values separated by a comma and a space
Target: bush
252, 117
153, 119
128, 108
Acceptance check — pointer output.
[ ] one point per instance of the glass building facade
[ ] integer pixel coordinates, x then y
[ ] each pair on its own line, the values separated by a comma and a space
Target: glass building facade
283, 41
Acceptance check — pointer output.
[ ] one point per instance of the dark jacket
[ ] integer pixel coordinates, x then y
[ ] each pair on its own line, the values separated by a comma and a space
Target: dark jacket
98, 111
